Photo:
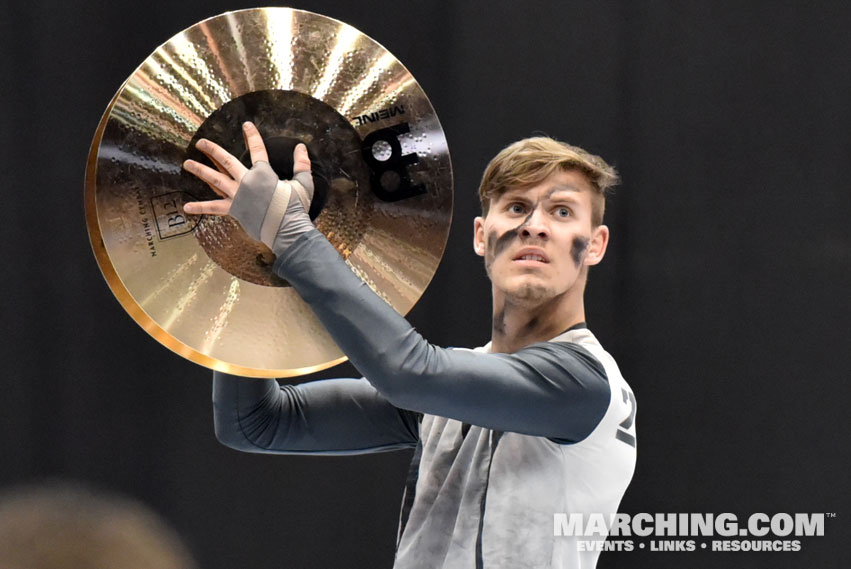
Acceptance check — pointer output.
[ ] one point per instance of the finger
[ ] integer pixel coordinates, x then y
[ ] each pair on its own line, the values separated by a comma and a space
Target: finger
301, 161
218, 191
191, 165
212, 207
223, 159
254, 142
218, 166
222, 184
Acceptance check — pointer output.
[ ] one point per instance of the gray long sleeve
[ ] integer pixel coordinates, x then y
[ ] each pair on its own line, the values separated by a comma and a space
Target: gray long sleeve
336, 416
552, 389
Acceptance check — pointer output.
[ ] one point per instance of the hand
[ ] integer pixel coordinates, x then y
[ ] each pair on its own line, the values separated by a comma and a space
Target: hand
225, 182
256, 198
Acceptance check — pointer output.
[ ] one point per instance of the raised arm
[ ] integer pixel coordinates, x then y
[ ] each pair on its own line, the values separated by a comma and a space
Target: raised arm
335, 416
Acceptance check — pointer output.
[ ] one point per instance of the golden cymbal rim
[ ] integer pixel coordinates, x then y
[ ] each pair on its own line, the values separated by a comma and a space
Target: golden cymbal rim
397, 254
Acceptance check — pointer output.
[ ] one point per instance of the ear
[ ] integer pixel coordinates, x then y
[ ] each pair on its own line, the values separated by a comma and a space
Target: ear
597, 247
479, 236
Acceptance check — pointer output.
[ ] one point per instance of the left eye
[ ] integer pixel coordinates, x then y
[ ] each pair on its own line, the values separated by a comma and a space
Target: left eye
563, 212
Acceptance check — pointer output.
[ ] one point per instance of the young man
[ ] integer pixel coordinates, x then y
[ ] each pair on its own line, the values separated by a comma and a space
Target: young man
539, 422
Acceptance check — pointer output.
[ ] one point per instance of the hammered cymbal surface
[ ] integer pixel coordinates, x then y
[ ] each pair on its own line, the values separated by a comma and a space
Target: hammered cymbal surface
198, 284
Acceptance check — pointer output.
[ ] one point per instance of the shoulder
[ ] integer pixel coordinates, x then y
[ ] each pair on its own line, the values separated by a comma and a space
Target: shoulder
562, 352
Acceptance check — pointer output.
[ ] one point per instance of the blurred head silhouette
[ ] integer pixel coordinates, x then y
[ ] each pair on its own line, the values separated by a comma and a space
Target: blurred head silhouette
61, 525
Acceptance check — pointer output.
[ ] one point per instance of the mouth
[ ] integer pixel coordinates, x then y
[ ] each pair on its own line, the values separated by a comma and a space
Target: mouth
527, 256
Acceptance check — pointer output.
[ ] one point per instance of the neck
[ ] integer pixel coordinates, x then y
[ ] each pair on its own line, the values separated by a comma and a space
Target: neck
519, 324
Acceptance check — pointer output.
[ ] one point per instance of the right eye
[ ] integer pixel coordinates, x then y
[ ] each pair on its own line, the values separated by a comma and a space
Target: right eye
517, 207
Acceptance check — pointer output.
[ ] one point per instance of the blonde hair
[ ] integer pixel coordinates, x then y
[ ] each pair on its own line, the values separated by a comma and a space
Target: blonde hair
532, 160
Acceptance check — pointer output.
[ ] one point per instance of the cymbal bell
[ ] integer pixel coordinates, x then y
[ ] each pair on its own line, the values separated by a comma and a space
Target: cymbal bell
199, 284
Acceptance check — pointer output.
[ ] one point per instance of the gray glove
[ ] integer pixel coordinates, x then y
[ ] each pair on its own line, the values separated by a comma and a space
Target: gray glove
273, 211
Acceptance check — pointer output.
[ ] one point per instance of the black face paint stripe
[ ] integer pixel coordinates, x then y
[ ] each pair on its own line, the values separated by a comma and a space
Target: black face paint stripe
577, 250
531, 325
528, 217
489, 251
491, 241
554, 190
498, 246
504, 240
499, 322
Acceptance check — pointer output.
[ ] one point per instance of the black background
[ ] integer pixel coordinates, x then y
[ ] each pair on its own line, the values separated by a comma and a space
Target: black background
724, 294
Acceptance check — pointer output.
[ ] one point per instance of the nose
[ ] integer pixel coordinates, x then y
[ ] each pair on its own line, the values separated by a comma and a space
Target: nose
535, 225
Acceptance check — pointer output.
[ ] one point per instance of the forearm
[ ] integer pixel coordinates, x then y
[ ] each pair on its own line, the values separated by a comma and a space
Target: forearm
548, 390
341, 416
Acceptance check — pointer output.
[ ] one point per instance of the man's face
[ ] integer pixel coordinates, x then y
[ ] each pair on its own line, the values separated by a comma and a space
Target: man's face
538, 241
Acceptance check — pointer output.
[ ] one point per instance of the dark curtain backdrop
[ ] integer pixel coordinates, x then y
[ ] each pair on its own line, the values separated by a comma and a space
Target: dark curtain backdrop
724, 295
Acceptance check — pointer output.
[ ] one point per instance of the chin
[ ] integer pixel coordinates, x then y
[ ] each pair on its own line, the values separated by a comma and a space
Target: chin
530, 294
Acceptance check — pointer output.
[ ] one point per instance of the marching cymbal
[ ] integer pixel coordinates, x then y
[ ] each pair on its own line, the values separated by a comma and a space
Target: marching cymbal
199, 284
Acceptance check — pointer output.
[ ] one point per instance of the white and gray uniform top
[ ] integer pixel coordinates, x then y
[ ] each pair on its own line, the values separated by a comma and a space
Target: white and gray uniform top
503, 442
